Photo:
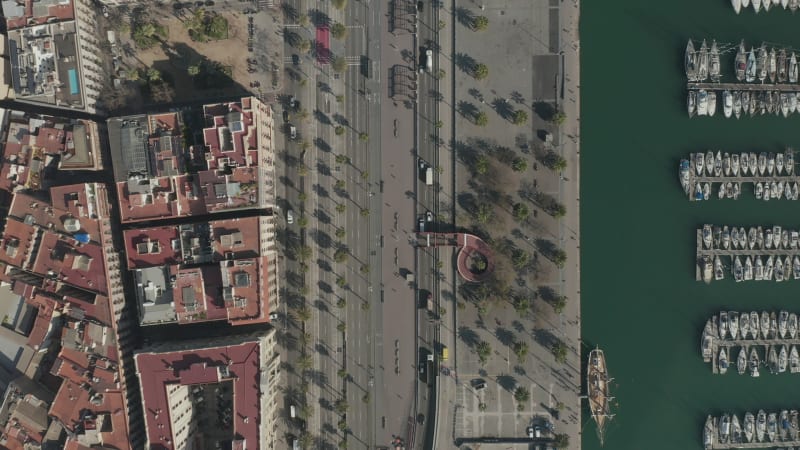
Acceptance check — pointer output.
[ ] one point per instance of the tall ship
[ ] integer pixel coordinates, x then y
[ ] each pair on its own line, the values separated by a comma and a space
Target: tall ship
597, 385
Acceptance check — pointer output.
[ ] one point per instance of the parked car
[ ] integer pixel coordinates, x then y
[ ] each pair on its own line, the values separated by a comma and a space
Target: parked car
429, 216
289, 217
478, 384
292, 132
295, 59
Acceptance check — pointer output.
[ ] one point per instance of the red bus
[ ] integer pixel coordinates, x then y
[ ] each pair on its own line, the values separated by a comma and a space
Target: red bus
323, 45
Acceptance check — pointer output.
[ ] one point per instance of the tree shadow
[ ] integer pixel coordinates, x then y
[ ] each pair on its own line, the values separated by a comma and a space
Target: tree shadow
518, 326
545, 338
503, 108
319, 18
436, 95
320, 191
507, 382
465, 63
322, 216
322, 239
465, 17
322, 117
469, 336
324, 265
322, 350
519, 370
290, 13
321, 305
467, 110
322, 145
341, 120
545, 110
505, 336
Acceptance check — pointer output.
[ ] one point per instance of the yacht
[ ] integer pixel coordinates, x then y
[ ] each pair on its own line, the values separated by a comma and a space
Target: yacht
759, 272
761, 63
785, 239
773, 324
759, 188
707, 341
772, 427
783, 322
773, 193
742, 234
723, 360
744, 321
784, 103
796, 268
733, 324
738, 274
789, 160
710, 163
723, 325
741, 361
781, 76
772, 359
708, 433
724, 428
792, 68
778, 269
771, 164
792, 103
736, 429
762, 163
727, 104
734, 238
706, 191
748, 270
719, 273
712, 103
702, 102
737, 6
753, 162
783, 420
737, 104
749, 426
713, 62
721, 192
735, 164
718, 164
760, 238
754, 323
702, 64
708, 270
685, 169
726, 164
776, 236
699, 161
761, 425
746, 102
745, 160
740, 61
772, 65
778, 163
754, 362
768, 238
791, 326
752, 66
726, 238
764, 325
691, 61
707, 237
794, 360
751, 238
783, 359
768, 267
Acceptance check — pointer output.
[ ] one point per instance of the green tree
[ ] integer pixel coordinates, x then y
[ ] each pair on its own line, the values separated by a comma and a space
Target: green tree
153, 75
519, 165
341, 303
339, 98
342, 373
561, 440
560, 351
144, 35
306, 440
484, 214
363, 136
364, 269
522, 394
439, 74
342, 327
302, 221
365, 306
341, 282
482, 165
338, 31
484, 350
302, 313
303, 45
338, 64
364, 212
133, 74
340, 255
520, 258
520, 117
559, 304
365, 175
560, 258
522, 305
558, 118
339, 185
442, 24
340, 207
555, 162
342, 159
521, 212
340, 233
481, 119
559, 211
480, 72
193, 70
339, 130
306, 411
217, 27
521, 350
366, 397
339, 4
480, 23
303, 253
341, 406
304, 362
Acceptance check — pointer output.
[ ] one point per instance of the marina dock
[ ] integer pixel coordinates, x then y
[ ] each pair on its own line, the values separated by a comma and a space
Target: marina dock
791, 434
751, 87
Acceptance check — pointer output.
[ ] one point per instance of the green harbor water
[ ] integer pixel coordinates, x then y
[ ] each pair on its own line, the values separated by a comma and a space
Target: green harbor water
640, 300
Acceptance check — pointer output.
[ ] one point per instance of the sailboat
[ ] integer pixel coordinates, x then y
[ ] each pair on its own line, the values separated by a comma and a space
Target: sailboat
772, 65
713, 62
782, 66
761, 63
691, 61
737, 112
598, 383
691, 103
741, 361
702, 64
737, 5
727, 104
793, 68
752, 67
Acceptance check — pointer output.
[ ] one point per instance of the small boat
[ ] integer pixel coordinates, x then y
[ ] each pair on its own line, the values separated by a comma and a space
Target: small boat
783, 421
742, 234
726, 164
691, 61
737, 5
727, 104
718, 164
741, 361
707, 341
753, 162
702, 65
708, 433
755, 361
778, 164
792, 69
793, 5
772, 65
726, 238
761, 425
772, 359
733, 324
740, 61
759, 188
713, 62
768, 267
761, 63
766, 4
794, 360
754, 320
702, 102
737, 190
723, 360
708, 270
773, 324
737, 112
792, 103
781, 76
785, 239
784, 3
707, 236
691, 103
723, 325
783, 359
771, 164
744, 318
751, 72
735, 164
796, 268
795, 433
759, 272
787, 191
768, 239
789, 159
760, 238
784, 104
783, 323
712, 103
746, 102
751, 238
706, 191
791, 326
721, 192
734, 238
787, 266
710, 163
776, 236
699, 161
764, 325
738, 275
794, 191
772, 427
762, 163
749, 426
748, 269
745, 159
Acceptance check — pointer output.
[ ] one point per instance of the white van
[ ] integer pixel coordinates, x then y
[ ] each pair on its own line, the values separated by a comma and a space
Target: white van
292, 411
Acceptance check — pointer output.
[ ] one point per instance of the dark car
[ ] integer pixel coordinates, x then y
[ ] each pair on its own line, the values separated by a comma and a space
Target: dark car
209, 3
198, 4
420, 418
295, 59
478, 384
286, 116
177, 5
420, 5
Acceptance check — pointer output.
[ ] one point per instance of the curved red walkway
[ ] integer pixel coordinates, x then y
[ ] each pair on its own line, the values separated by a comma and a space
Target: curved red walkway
468, 245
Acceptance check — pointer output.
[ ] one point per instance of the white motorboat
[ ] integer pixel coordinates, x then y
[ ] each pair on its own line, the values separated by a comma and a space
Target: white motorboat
738, 274
792, 103
774, 192
710, 163
684, 175
707, 341
796, 268
744, 321
708, 433
723, 360
713, 62
749, 426
707, 236
737, 104
781, 75
771, 164
702, 64
776, 236
729, 189
737, 191
794, 360
746, 102
721, 192
706, 191
745, 159
735, 164
723, 325
783, 359
768, 238
748, 269
761, 422
789, 159
793, 420
778, 164
768, 267
765, 325
761, 63
699, 161
752, 66
718, 164
702, 102
759, 272
787, 191
736, 428
791, 326
727, 104
737, 5
708, 270
783, 323
784, 4
733, 324
793, 68
691, 61
759, 187
773, 324
742, 236
760, 238
751, 238
794, 191
755, 361
787, 266
772, 425
734, 238
762, 163
783, 421
772, 359
785, 239
772, 65
726, 164
754, 328
712, 103
793, 4
778, 269
753, 162
726, 238
784, 104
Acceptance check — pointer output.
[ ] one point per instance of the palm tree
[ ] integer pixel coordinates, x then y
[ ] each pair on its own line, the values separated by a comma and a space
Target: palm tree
338, 64
481, 119
338, 31
304, 362
480, 23
193, 70
480, 72
303, 313
304, 252
520, 117
482, 165
484, 350
521, 350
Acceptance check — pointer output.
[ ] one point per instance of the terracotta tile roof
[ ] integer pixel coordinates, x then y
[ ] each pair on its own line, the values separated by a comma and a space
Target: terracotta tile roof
80, 265
235, 238
150, 247
17, 244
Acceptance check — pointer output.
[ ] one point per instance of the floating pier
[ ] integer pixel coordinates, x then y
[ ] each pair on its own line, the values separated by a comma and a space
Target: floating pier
741, 87
786, 434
